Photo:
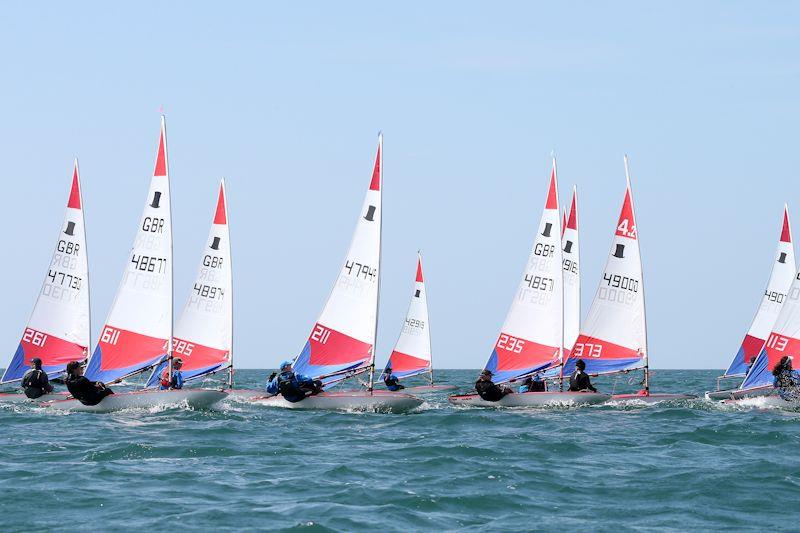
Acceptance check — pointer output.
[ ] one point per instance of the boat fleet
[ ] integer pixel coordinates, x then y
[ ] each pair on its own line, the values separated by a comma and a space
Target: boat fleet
542, 334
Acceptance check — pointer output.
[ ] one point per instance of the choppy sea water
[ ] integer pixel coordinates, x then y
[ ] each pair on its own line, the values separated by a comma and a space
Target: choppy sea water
676, 466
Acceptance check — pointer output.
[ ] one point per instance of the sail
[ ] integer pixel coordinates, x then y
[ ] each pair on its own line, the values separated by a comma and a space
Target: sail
343, 339
532, 335
784, 340
572, 276
613, 337
412, 353
780, 279
204, 332
138, 329
58, 329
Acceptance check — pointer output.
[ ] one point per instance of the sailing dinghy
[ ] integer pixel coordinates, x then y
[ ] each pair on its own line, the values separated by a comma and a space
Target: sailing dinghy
572, 277
138, 332
613, 338
783, 340
342, 342
532, 338
412, 353
204, 332
57, 331
780, 279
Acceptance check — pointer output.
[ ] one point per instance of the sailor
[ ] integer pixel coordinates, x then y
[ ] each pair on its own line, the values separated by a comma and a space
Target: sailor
293, 387
83, 389
487, 390
786, 379
749, 364
391, 381
35, 382
579, 380
177, 376
533, 384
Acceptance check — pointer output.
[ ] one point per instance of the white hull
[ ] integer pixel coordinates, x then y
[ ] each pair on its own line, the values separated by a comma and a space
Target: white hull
650, 398
737, 394
244, 395
773, 401
430, 388
533, 399
18, 397
195, 398
378, 401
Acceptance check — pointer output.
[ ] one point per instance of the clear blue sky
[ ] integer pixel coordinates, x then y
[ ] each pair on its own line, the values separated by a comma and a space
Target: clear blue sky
286, 99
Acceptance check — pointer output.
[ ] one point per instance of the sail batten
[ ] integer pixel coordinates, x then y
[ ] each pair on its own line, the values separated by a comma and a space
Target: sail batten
343, 338
58, 329
138, 331
532, 335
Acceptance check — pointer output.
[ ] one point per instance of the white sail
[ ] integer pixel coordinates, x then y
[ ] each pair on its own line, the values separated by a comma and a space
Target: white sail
532, 336
343, 339
572, 276
780, 279
138, 331
613, 337
58, 329
204, 332
412, 353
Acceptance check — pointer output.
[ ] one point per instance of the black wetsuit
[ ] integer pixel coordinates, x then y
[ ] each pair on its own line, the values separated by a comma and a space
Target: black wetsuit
579, 380
85, 391
489, 391
35, 383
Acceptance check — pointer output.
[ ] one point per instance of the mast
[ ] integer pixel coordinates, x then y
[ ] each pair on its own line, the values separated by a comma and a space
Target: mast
561, 270
641, 273
171, 255
230, 266
428, 325
86, 255
380, 244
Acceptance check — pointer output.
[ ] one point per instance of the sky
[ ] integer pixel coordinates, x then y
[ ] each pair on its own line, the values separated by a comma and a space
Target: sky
285, 101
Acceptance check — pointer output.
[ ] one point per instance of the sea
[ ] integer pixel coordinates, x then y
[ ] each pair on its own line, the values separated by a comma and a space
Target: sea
678, 466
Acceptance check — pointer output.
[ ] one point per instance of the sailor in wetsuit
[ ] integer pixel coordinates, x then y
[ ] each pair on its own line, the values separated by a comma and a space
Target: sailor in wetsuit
391, 381
786, 379
293, 387
487, 390
83, 389
533, 384
177, 376
35, 382
579, 380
